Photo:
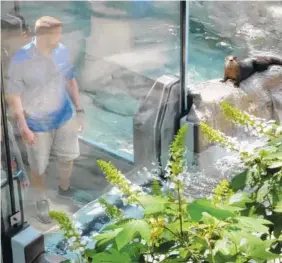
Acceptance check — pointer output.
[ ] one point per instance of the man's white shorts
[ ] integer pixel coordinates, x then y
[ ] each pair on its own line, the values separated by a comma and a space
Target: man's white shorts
62, 142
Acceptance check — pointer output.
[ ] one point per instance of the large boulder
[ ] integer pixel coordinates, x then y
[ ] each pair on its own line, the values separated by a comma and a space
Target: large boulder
260, 95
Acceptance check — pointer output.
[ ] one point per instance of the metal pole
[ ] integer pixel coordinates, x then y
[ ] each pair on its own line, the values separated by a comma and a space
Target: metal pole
183, 55
16, 6
7, 146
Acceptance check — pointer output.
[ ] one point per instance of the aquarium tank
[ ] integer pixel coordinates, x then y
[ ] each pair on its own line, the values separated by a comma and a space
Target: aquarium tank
143, 131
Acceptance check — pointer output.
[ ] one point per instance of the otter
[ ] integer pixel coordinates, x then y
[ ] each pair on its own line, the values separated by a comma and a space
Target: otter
237, 71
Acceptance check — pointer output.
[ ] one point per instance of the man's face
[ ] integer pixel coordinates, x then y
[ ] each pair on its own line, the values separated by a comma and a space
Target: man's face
54, 37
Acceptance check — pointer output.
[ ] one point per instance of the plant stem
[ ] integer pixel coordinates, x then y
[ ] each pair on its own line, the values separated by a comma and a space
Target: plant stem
180, 210
212, 258
139, 203
171, 231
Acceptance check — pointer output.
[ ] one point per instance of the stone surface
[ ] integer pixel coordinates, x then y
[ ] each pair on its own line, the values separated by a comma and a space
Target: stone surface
260, 95
267, 88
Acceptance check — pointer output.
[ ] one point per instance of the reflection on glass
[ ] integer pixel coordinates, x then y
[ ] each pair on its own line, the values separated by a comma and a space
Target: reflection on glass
119, 50
114, 51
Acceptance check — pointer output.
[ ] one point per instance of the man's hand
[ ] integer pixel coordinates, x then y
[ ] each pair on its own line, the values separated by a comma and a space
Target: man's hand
25, 183
80, 121
28, 136
15, 102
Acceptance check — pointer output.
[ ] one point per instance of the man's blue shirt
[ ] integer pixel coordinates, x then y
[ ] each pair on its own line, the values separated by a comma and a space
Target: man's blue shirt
41, 82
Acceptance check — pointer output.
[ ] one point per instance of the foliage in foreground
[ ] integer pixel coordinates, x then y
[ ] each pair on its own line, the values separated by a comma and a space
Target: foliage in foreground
239, 223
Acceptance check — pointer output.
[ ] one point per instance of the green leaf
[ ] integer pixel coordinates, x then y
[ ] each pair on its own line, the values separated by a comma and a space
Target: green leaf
130, 229
229, 208
152, 204
273, 156
278, 207
253, 246
183, 252
276, 219
175, 226
116, 224
197, 207
209, 220
239, 181
250, 224
263, 192
224, 250
172, 209
198, 244
106, 238
275, 164
240, 199
111, 256
134, 251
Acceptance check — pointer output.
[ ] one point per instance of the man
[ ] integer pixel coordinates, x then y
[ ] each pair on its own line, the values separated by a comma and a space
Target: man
41, 86
15, 33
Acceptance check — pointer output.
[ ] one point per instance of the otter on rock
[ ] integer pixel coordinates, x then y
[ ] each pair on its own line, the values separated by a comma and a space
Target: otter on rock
237, 71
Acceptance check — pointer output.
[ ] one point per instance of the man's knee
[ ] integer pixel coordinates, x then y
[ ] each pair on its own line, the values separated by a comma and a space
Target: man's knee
65, 163
36, 175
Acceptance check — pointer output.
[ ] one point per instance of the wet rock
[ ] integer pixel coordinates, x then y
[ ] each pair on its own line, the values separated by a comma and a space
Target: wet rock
260, 95
266, 87
118, 103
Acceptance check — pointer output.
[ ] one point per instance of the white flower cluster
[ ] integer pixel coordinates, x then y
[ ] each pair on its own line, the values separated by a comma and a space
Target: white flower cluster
156, 259
147, 174
260, 127
77, 243
231, 143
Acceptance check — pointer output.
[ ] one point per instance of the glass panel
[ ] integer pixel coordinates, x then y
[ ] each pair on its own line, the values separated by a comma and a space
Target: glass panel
115, 77
216, 31
119, 50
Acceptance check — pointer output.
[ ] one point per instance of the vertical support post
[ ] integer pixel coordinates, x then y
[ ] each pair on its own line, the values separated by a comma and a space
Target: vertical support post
7, 146
16, 6
183, 55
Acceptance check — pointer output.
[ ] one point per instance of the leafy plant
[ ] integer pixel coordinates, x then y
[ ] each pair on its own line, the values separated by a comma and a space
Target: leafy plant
238, 223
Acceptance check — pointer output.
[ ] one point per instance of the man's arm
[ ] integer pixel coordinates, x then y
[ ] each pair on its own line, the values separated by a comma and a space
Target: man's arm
15, 87
74, 92
15, 103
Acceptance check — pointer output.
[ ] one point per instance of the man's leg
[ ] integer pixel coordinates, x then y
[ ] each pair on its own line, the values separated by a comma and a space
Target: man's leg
38, 157
66, 147
65, 170
38, 183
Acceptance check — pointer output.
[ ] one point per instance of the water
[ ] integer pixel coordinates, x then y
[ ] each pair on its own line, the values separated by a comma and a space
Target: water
146, 44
